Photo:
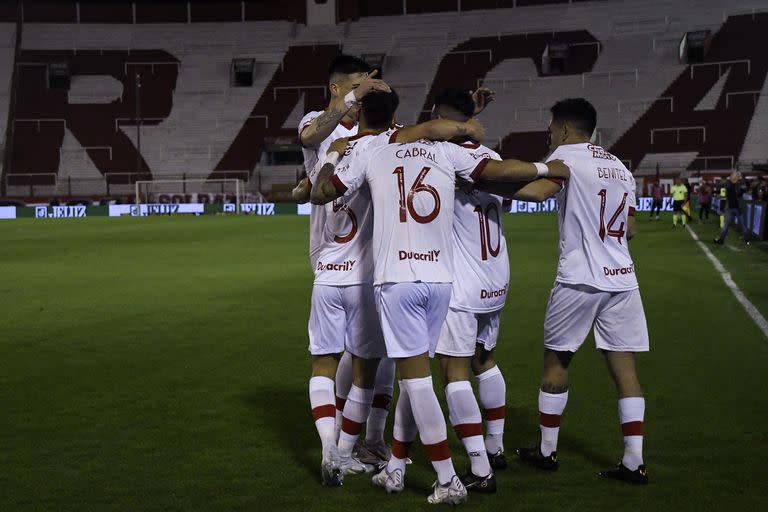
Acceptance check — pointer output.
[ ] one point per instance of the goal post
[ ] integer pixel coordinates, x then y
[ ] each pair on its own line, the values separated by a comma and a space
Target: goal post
190, 190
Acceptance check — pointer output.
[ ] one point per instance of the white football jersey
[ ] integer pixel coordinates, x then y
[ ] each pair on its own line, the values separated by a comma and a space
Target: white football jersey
344, 256
311, 157
594, 205
412, 187
481, 264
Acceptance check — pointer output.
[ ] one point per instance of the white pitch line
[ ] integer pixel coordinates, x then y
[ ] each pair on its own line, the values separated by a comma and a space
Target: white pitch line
752, 311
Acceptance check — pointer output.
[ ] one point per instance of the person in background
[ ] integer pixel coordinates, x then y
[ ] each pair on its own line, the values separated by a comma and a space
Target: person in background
722, 202
733, 208
657, 199
679, 195
705, 200
687, 203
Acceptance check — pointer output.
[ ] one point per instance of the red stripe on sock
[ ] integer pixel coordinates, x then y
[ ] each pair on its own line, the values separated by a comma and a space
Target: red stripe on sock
496, 413
324, 411
350, 427
438, 451
468, 430
632, 428
340, 403
381, 401
400, 449
549, 420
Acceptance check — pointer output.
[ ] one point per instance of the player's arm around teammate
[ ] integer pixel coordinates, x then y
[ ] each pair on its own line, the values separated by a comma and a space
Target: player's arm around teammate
300, 192
439, 129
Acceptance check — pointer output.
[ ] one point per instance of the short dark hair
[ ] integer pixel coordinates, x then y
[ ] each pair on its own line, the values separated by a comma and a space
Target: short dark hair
457, 99
379, 108
346, 65
578, 112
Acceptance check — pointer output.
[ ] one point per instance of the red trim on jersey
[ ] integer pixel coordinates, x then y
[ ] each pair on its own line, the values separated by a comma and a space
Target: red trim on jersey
351, 427
340, 187
381, 401
631, 211
340, 403
549, 420
468, 430
632, 428
400, 449
348, 125
438, 451
360, 135
479, 169
495, 413
393, 137
324, 411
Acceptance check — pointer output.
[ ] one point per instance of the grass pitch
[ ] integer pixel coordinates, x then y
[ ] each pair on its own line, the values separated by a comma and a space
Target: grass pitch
161, 364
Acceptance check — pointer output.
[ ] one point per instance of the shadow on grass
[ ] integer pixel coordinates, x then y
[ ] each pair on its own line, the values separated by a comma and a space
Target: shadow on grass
286, 414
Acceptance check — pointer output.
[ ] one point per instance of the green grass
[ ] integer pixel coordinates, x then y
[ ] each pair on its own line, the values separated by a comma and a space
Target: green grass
161, 364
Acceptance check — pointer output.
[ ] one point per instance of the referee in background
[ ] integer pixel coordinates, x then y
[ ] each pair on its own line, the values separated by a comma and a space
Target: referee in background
679, 195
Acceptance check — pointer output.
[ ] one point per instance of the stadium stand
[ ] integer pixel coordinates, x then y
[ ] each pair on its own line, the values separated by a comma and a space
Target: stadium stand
653, 110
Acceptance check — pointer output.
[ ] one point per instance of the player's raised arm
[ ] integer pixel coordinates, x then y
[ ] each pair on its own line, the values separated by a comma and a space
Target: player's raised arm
324, 124
441, 129
517, 170
324, 190
301, 191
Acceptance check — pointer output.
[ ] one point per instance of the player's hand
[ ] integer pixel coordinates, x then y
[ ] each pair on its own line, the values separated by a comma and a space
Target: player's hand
339, 146
482, 97
558, 169
475, 130
370, 84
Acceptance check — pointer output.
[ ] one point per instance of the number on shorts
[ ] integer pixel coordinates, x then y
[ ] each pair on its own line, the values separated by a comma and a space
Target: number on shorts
406, 203
618, 234
485, 230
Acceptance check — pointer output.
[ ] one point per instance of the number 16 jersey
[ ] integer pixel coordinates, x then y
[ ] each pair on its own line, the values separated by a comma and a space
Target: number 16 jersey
595, 204
412, 187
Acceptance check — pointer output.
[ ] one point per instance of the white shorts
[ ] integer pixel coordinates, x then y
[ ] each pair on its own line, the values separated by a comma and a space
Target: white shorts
618, 319
463, 331
411, 316
345, 316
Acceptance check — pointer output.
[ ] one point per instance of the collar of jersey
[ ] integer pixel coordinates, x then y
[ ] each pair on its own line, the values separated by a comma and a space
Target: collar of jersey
360, 135
348, 125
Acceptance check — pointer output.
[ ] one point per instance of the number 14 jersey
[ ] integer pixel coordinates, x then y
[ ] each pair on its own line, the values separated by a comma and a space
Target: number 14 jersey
595, 204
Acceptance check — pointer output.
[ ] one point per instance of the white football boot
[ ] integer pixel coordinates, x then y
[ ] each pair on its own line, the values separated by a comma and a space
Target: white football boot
390, 482
330, 467
453, 493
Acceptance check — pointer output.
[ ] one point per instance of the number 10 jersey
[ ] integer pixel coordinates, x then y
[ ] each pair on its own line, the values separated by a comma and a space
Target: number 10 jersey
480, 260
595, 204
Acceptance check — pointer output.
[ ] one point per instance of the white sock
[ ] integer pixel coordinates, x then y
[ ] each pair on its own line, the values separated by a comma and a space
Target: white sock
492, 391
465, 417
551, 407
631, 415
356, 411
323, 410
403, 432
431, 423
382, 396
343, 383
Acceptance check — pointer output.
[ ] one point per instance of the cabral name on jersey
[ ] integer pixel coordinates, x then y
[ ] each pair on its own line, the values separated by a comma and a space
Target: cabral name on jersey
337, 267
416, 153
421, 256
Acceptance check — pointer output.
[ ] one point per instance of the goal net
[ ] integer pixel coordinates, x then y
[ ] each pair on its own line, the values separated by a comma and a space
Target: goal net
183, 191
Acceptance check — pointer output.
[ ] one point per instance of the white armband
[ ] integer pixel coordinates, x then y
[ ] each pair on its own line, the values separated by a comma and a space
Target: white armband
541, 169
350, 99
332, 158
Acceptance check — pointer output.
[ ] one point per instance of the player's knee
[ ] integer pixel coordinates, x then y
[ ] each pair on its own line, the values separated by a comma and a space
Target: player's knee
483, 360
325, 365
